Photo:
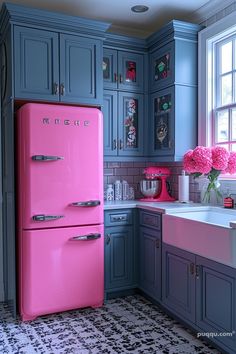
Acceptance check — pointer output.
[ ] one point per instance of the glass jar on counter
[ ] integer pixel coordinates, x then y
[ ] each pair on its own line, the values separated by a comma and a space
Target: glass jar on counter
118, 190
109, 193
125, 190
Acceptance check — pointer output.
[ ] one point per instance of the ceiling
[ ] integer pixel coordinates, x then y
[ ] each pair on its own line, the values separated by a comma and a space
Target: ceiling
118, 13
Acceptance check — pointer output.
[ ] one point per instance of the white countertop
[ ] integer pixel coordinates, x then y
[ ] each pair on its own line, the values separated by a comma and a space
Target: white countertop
161, 207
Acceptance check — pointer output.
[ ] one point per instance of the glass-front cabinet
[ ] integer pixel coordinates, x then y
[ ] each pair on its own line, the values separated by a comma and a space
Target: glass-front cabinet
123, 124
173, 128
162, 67
131, 113
123, 70
162, 106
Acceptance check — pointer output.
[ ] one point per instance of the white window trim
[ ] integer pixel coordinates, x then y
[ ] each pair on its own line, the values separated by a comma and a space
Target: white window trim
205, 60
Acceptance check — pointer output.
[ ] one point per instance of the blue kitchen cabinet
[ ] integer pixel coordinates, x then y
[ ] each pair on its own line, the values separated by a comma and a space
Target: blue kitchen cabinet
36, 64
202, 293
150, 254
161, 69
178, 282
57, 67
123, 124
110, 122
123, 70
174, 63
173, 55
216, 301
120, 251
173, 128
173, 88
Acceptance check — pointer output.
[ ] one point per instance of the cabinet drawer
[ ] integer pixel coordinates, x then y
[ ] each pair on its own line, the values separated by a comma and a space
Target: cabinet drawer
118, 217
150, 219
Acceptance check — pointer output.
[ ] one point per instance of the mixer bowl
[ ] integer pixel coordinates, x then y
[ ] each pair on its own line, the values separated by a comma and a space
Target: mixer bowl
150, 188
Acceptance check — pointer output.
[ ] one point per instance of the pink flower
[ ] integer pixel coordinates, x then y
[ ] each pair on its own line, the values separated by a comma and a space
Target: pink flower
231, 168
189, 163
220, 158
203, 159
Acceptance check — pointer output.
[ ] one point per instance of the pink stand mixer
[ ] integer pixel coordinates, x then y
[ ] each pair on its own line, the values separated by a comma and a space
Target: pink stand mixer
154, 186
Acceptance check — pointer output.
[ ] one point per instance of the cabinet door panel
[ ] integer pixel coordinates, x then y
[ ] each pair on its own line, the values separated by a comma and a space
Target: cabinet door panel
162, 67
150, 262
131, 115
36, 63
110, 74
118, 257
178, 291
131, 71
80, 70
163, 125
216, 300
110, 123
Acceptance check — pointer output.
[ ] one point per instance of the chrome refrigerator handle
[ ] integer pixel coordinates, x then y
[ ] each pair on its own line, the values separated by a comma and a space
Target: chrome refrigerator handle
89, 203
46, 158
42, 217
87, 237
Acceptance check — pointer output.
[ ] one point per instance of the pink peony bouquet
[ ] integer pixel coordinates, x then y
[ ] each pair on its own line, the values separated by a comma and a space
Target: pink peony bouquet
210, 162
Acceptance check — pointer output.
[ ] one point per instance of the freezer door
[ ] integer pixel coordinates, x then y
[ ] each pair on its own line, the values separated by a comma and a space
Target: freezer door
61, 269
60, 166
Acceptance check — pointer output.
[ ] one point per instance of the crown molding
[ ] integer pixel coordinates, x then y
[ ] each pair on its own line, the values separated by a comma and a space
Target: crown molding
16, 14
129, 31
210, 9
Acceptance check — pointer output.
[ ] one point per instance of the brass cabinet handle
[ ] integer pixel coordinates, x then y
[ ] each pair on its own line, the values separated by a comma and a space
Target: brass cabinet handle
121, 78
197, 271
121, 144
192, 268
62, 89
55, 88
114, 144
108, 239
157, 243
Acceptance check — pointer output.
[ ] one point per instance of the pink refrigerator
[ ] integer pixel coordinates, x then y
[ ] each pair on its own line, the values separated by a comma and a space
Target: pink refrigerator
60, 208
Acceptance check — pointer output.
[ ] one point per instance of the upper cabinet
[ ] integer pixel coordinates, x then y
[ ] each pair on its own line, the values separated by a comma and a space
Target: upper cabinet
173, 55
123, 124
36, 64
123, 70
58, 59
56, 67
161, 69
173, 89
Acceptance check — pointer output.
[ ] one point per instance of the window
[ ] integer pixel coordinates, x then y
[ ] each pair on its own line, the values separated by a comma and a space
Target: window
224, 93
217, 84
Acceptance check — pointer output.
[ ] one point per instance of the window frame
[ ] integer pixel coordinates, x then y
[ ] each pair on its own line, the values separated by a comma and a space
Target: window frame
206, 68
207, 39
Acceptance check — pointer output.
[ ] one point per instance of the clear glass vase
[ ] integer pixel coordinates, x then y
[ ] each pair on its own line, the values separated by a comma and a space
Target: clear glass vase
210, 192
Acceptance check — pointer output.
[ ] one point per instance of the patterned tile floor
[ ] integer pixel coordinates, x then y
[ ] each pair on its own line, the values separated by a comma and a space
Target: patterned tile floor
124, 325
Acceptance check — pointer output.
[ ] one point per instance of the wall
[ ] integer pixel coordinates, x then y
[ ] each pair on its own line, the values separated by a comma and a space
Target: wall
132, 172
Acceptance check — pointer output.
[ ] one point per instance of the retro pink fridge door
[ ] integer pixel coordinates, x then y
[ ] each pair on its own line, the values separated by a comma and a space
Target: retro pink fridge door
61, 269
60, 166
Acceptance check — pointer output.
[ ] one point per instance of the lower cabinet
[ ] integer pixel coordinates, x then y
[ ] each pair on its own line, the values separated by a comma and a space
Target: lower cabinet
178, 286
216, 301
120, 251
202, 292
149, 254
